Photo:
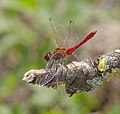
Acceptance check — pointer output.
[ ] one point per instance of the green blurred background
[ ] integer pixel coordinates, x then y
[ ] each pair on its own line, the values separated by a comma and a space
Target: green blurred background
25, 36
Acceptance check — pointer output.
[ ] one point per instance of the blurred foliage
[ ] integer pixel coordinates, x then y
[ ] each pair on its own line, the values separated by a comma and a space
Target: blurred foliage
25, 36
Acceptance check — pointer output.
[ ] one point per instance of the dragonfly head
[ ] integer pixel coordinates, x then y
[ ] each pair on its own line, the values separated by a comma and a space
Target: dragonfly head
47, 56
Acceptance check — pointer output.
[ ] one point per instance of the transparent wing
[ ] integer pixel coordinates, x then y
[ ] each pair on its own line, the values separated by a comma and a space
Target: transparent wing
59, 32
73, 34
72, 39
54, 62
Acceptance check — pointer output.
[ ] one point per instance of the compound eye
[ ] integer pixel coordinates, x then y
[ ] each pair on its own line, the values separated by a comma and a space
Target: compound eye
47, 56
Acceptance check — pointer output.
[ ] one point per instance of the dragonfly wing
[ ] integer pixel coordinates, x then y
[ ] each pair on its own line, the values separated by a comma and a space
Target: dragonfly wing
59, 32
54, 80
54, 60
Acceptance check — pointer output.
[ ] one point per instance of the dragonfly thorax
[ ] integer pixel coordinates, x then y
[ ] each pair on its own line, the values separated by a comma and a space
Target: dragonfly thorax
58, 53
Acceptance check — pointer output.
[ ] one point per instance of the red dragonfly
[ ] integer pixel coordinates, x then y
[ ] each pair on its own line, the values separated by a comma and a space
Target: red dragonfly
60, 53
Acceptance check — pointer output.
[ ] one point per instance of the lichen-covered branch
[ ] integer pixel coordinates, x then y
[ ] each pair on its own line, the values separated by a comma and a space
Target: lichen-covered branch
77, 76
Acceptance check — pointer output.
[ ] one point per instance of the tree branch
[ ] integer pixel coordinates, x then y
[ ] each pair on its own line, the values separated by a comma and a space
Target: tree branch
77, 76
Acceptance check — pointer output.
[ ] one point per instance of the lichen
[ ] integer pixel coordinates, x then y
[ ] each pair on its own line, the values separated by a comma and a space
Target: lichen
115, 72
102, 66
96, 81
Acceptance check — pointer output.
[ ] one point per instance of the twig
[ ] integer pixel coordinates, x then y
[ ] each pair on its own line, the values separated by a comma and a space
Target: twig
77, 76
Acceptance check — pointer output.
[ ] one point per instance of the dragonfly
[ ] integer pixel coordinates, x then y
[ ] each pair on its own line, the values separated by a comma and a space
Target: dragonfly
51, 75
59, 53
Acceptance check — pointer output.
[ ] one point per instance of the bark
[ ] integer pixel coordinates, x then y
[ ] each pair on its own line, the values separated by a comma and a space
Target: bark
77, 77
